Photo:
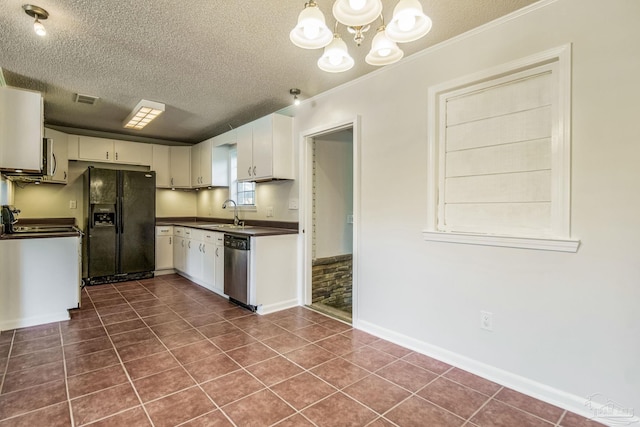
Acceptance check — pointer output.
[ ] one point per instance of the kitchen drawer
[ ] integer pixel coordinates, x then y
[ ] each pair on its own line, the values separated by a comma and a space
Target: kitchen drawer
193, 234
179, 231
164, 230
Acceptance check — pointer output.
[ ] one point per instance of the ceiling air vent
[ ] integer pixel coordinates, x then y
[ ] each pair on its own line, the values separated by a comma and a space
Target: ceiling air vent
86, 99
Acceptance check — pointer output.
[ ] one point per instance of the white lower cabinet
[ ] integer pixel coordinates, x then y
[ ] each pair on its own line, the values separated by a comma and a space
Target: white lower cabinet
218, 284
179, 249
193, 253
164, 249
213, 262
199, 256
40, 280
209, 260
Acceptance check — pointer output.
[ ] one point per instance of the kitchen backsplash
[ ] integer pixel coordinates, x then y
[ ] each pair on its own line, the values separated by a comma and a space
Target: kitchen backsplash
55, 201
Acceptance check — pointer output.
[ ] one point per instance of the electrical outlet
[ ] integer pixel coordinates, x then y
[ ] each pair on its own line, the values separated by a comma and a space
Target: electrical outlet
293, 203
73, 204
269, 211
350, 219
486, 321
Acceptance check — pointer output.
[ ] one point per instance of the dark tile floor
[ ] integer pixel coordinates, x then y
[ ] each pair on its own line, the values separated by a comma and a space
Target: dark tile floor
167, 352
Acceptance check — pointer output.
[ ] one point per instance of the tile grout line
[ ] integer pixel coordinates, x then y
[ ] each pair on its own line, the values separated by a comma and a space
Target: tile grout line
120, 360
181, 365
6, 367
66, 382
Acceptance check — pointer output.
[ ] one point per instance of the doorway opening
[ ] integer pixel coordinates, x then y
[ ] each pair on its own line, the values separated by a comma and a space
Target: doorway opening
332, 223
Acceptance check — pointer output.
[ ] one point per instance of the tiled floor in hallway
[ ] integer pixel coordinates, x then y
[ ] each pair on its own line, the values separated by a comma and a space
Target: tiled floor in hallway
167, 352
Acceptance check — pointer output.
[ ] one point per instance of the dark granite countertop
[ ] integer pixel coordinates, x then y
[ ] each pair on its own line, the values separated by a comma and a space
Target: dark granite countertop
251, 229
44, 228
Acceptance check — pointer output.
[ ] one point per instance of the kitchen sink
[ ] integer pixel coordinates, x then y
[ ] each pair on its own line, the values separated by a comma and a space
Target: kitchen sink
227, 226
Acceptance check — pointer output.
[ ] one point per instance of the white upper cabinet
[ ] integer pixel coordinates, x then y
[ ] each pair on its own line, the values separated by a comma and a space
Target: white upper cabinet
21, 129
265, 149
161, 163
114, 151
96, 149
201, 164
133, 153
180, 167
60, 156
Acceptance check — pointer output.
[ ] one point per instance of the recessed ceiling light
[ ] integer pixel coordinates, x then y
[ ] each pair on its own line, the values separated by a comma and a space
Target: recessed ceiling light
143, 114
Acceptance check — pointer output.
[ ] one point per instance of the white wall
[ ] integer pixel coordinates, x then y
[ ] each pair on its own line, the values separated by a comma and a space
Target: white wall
565, 325
333, 183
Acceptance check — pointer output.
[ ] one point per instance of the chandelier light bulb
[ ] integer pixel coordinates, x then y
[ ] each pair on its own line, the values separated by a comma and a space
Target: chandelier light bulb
357, 4
406, 21
39, 28
354, 13
311, 30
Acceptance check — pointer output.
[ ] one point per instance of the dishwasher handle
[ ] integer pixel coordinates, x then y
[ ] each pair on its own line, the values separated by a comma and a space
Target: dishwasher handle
240, 243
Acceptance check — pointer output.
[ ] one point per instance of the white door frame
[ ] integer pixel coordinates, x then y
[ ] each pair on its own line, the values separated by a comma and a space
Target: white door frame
306, 205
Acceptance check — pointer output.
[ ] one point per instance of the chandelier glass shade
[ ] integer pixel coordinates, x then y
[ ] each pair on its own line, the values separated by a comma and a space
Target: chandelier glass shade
408, 23
311, 32
336, 58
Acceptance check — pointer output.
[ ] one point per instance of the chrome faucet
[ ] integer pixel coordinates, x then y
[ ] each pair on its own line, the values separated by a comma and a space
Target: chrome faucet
236, 220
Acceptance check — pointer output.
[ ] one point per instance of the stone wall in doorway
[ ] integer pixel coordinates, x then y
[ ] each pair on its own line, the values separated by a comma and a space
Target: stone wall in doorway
332, 281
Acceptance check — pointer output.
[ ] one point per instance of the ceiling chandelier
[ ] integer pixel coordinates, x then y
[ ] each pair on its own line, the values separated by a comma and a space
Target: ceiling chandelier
408, 23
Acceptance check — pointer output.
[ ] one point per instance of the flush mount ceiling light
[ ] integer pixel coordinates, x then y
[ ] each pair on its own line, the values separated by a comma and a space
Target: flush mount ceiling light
38, 13
142, 114
409, 23
295, 92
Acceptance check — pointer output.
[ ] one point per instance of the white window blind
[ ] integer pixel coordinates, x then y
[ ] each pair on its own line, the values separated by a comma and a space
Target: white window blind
499, 155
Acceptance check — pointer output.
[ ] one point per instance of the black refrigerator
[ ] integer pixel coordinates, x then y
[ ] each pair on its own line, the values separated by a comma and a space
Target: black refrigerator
120, 211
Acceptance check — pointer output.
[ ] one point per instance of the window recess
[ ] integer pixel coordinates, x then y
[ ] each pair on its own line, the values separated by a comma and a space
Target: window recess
499, 148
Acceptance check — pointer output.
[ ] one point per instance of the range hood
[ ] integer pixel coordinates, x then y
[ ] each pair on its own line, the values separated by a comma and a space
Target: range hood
48, 164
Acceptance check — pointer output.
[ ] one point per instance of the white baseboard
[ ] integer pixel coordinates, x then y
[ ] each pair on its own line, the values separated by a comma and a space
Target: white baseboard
553, 396
164, 272
34, 320
282, 305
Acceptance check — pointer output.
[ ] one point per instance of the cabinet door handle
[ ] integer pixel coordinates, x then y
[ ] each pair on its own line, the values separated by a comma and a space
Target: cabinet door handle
249, 171
171, 181
170, 240
107, 155
203, 251
189, 244
65, 175
254, 171
217, 251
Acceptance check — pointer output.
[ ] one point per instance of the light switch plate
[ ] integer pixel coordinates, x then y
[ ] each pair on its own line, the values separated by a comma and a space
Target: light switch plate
73, 204
293, 203
269, 211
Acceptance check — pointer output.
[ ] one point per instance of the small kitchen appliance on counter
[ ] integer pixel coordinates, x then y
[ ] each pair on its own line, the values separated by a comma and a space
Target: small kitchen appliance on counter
9, 214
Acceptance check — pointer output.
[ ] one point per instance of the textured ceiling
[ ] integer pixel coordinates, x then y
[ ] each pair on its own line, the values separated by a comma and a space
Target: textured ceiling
216, 64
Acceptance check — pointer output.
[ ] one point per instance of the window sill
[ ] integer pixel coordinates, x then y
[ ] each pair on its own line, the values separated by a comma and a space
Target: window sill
247, 208
503, 241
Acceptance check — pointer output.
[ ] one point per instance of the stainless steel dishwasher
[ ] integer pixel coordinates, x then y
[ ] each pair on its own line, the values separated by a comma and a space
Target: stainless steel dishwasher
236, 269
